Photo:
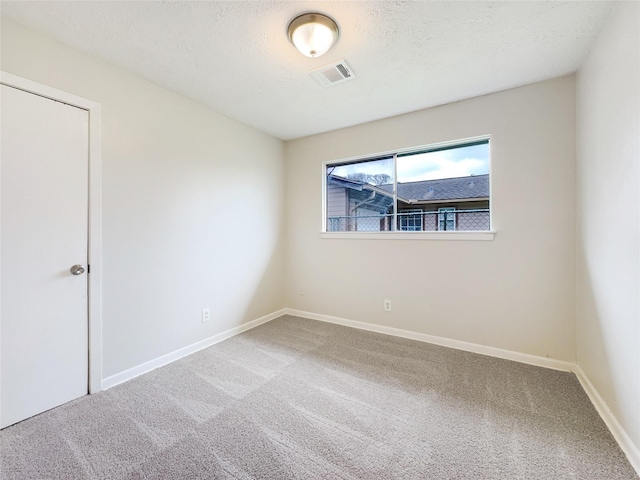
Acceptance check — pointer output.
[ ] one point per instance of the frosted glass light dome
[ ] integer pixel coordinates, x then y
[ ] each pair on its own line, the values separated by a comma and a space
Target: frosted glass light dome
313, 34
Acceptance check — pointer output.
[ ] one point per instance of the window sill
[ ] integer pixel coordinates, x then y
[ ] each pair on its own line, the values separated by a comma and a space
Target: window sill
466, 236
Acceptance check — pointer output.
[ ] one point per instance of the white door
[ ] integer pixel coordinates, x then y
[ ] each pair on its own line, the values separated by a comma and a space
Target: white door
44, 219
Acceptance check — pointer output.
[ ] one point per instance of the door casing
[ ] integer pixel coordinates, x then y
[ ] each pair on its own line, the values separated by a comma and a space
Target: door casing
95, 214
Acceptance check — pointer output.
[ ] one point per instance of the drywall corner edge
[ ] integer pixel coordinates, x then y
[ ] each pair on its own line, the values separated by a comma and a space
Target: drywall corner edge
146, 367
627, 445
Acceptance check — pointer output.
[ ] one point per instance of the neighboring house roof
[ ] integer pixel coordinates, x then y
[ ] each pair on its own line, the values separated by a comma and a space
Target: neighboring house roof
427, 191
475, 186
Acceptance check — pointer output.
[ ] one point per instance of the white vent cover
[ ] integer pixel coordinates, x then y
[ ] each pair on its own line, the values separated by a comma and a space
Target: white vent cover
333, 74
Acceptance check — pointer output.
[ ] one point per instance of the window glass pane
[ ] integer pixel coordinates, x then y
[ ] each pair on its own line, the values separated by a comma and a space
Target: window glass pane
360, 196
447, 218
410, 221
441, 188
450, 185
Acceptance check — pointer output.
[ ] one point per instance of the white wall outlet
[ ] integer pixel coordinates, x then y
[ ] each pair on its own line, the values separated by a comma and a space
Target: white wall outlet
301, 292
387, 305
206, 315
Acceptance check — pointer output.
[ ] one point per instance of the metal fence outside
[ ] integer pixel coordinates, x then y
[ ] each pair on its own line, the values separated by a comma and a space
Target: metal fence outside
449, 220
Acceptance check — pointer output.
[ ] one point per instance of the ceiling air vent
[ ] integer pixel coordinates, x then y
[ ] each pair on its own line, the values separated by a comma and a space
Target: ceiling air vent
333, 74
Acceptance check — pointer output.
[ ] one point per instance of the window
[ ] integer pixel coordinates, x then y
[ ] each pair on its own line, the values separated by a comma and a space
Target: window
435, 188
360, 195
447, 218
411, 221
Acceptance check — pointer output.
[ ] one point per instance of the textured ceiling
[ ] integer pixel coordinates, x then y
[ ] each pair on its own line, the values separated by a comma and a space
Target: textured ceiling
235, 57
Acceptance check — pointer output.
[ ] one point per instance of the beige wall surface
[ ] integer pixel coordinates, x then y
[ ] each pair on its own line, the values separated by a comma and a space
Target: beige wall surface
192, 206
608, 119
516, 292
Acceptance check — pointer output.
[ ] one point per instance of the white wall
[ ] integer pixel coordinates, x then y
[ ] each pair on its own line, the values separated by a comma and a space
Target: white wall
516, 292
192, 206
608, 152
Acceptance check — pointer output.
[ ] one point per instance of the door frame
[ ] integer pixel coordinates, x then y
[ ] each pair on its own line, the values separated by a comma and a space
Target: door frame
94, 247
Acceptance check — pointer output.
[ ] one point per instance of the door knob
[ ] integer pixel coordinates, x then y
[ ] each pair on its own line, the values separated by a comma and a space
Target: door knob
77, 270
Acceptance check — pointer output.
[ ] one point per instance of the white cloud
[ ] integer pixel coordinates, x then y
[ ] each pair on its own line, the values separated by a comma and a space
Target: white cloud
375, 167
436, 165
461, 162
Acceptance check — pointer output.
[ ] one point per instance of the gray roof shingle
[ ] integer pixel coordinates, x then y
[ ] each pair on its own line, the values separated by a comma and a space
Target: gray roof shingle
476, 186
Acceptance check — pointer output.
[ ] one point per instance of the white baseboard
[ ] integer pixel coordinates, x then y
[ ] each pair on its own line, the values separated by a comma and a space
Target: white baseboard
445, 342
114, 380
627, 445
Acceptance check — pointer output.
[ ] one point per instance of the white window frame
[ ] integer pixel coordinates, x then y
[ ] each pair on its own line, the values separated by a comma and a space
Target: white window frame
405, 215
441, 217
408, 235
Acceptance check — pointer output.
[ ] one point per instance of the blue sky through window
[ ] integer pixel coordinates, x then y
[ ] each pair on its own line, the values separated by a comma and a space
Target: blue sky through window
375, 167
449, 163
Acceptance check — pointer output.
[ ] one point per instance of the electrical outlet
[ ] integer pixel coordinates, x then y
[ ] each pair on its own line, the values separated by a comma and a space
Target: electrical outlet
387, 305
206, 315
301, 292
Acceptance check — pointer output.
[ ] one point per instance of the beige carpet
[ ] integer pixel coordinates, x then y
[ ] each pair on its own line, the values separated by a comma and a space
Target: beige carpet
300, 399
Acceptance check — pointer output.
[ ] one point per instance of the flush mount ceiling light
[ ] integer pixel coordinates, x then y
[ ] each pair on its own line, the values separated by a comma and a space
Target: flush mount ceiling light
313, 34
